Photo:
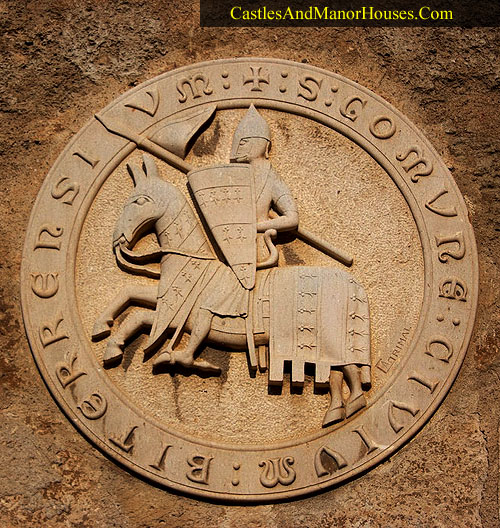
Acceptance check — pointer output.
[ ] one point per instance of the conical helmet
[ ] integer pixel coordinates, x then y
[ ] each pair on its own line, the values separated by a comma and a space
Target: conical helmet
253, 125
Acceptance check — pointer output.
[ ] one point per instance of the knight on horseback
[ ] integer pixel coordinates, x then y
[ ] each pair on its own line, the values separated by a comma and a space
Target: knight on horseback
236, 282
218, 279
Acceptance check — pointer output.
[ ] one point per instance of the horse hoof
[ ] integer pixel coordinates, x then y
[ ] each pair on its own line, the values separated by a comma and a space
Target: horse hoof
355, 405
333, 415
101, 330
112, 355
162, 359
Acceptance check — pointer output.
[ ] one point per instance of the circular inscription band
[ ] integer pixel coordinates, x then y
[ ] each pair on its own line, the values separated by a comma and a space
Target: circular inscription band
183, 100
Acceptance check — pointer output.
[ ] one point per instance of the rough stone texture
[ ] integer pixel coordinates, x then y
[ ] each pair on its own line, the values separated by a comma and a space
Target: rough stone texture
61, 60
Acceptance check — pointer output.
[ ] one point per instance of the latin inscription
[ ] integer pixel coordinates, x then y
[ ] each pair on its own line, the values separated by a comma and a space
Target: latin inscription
51, 332
151, 106
352, 107
86, 157
439, 348
413, 158
454, 246
159, 465
448, 211
48, 237
199, 468
65, 190
453, 288
309, 87
94, 407
193, 86
394, 422
66, 371
125, 442
277, 471
329, 453
45, 285
367, 440
425, 382
382, 127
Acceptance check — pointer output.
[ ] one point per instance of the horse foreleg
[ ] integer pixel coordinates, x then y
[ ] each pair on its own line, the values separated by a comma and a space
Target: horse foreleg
131, 327
356, 399
140, 295
335, 412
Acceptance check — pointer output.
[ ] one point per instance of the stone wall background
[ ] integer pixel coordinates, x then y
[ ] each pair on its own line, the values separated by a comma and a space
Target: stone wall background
63, 60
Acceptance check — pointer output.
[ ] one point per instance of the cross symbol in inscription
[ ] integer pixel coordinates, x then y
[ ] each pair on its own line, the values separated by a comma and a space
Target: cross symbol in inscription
256, 78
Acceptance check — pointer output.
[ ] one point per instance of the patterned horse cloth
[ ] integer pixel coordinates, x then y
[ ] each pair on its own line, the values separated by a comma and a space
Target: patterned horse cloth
319, 316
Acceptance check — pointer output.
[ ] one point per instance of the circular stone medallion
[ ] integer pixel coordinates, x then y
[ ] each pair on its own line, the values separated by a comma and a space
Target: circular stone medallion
192, 344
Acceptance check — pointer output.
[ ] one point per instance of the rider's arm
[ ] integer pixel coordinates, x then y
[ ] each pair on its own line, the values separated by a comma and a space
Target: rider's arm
284, 204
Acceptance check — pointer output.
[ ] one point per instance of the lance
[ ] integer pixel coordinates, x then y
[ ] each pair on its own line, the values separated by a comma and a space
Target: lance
175, 137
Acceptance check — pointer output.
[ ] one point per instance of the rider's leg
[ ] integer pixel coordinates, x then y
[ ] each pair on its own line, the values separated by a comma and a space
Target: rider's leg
356, 399
201, 329
185, 356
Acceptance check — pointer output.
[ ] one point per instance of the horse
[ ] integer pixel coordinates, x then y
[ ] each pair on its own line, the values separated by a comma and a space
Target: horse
304, 314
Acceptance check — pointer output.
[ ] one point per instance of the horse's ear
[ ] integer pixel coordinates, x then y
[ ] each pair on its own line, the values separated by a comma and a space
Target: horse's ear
149, 166
136, 173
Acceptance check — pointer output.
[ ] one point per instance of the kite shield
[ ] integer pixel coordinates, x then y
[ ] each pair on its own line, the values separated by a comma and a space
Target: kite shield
225, 195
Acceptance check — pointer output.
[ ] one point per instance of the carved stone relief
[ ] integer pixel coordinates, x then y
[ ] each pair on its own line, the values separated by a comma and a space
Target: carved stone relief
236, 315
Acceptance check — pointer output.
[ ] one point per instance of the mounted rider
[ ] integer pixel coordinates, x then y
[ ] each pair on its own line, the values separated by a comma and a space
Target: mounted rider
236, 201
251, 144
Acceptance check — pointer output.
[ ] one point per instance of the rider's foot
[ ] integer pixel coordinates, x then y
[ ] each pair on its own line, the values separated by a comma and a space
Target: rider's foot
171, 358
162, 359
181, 356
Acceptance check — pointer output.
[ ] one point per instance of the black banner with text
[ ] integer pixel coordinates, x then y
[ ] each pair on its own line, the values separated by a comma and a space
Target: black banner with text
345, 13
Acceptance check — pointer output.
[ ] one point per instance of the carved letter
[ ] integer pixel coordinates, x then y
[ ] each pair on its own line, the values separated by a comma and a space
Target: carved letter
381, 131
193, 83
44, 285
397, 426
65, 371
93, 408
160, 465
153, 104
63, 187
457, 238
54, 232
351, 110
453, 288
321, 471
431, 385
370, 444
277, 470
419, 160
49, 333
126, 444
438, 352
450, 211
310, 87
86, 158
200, 466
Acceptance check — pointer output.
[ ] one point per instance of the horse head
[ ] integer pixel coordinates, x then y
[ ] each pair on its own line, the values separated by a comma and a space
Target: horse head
152, 205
